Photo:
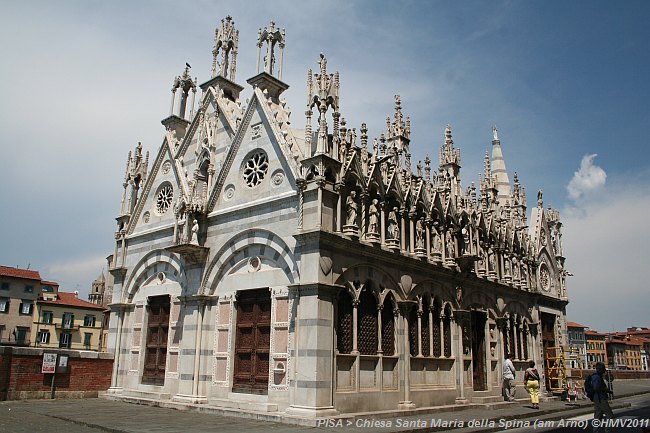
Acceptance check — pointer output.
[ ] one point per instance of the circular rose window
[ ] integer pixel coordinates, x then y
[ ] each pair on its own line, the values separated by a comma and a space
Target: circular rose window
255, 169
164, 199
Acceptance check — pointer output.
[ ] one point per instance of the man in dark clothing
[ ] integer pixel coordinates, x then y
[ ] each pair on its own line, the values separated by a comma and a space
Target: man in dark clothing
601, 394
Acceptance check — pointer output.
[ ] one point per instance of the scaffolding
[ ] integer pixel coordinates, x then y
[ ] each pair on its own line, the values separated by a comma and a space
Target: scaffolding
563, 378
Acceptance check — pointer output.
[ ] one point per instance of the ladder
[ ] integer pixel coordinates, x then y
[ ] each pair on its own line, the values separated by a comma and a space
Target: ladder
563, 379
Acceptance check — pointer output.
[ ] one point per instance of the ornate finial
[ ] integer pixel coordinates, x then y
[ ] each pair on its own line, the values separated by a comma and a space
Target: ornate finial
540, 201
226, 41
448, 134
427, 168
323, 92
495, 133
270, 36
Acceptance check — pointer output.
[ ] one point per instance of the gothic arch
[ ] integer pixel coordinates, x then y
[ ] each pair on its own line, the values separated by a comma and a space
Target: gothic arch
151, 264
436, 291
249, 243
516, 307
366, 272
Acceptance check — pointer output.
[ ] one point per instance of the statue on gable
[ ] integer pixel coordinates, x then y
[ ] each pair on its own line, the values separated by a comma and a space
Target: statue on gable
419, 234
393, 229
373, 212
351, 208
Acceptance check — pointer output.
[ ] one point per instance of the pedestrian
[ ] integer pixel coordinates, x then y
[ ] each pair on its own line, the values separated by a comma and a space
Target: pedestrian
600, 393
508, 379
531, 379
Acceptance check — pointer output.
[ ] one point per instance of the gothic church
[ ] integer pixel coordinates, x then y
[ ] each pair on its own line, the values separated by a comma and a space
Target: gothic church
311, 272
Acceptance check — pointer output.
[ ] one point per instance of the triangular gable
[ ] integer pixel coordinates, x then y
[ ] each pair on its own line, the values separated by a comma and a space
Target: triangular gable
265, 127
164, 171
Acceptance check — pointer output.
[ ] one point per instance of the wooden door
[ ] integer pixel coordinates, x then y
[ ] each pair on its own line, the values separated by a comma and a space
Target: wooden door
156, 344
479, 369
548, 341
252, 342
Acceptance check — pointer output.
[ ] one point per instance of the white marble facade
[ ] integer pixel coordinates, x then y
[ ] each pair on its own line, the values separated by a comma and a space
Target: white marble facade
354, 282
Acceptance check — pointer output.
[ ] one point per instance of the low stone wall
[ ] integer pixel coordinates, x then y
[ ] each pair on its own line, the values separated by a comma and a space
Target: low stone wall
21, 378
622, 374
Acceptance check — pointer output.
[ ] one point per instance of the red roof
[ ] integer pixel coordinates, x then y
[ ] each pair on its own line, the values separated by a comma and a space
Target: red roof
575, 325
590, 332
26, 274
70, 299
49, 283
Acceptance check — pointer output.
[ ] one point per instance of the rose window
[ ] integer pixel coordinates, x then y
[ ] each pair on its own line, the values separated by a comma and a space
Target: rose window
255, 169
164, 199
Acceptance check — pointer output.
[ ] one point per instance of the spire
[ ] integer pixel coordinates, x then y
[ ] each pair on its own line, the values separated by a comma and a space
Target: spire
226, 41
269, 80
499, 169
323, 92
270, 36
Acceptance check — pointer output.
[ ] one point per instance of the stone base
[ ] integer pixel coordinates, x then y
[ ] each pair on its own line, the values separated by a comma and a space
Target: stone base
115, 390
393, 244
191, 253
406, 405
351, 230
312, 412
420, 252
461, 400
191, 399
373, 238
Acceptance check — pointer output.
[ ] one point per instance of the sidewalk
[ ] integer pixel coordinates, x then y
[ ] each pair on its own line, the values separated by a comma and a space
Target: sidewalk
100, 415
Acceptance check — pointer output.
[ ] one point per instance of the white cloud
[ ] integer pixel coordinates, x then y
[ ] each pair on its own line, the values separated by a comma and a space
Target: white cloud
589, 178
75, 273
607, 250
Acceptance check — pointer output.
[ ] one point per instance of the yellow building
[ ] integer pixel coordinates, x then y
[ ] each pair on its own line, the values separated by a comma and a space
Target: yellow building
66, 321
596, 350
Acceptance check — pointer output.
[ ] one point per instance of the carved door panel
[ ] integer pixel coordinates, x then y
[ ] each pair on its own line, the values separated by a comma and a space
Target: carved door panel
252, 342
156, 343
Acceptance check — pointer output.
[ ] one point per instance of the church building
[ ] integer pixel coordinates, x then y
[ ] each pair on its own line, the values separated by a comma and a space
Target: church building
302, 267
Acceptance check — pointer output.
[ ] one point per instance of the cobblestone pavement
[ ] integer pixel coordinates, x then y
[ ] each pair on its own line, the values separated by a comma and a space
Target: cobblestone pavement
99, 415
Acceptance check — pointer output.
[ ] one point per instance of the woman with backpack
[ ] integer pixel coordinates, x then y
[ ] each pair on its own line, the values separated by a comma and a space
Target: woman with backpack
531, 379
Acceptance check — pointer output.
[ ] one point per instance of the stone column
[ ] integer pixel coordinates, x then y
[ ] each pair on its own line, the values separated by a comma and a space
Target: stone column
406, 358
380, 307
403, 232
114, 388
460, 358
411, 234
382, 206
314, 340
197, 353
420, 312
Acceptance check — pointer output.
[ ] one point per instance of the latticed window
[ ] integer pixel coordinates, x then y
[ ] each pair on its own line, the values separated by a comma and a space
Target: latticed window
524, 337
436, 331
425, 333
387, 329
447, 332
344, 325
519, 335
413, 332
511, 338
367, 327
255, 169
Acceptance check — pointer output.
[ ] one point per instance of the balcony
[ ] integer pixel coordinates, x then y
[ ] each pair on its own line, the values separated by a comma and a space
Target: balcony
66, 327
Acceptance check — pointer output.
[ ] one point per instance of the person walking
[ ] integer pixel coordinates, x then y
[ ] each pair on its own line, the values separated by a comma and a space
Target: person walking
600, 393
509, 379
531, 379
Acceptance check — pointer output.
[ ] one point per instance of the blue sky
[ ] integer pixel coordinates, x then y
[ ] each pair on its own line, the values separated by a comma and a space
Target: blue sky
84, 81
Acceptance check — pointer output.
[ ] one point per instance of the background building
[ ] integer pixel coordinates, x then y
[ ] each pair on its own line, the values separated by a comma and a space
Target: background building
596, 348
66, 321
577, 340
19, 289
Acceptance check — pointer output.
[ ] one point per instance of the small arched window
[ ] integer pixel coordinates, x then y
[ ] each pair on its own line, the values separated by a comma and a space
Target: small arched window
367, 323
388, 329
344, 323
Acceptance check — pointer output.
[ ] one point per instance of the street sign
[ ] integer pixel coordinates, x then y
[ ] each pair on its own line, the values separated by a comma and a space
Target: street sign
62, 366
49, 363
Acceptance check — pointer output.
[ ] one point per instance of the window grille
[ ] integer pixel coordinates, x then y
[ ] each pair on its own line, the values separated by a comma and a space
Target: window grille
344, 326
425, 334
388, 329
367, 326
413, 332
